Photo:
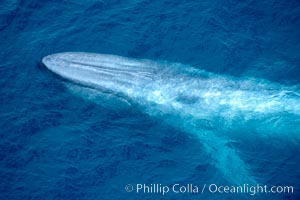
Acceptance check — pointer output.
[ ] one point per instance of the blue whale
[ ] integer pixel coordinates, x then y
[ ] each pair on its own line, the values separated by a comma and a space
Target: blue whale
190, 99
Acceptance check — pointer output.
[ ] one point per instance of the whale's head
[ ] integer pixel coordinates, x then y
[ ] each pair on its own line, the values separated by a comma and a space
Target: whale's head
100, 70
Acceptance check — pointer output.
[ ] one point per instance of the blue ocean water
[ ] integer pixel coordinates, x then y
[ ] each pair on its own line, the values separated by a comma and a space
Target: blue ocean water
57, 145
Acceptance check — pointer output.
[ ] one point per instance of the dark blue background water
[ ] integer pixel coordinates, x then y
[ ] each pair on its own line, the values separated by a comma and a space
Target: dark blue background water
56, 145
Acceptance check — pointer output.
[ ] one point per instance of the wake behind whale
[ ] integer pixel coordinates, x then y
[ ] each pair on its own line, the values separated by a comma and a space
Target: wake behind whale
190, 99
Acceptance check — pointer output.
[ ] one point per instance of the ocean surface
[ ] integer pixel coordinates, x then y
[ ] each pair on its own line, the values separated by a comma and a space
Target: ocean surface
57, 142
